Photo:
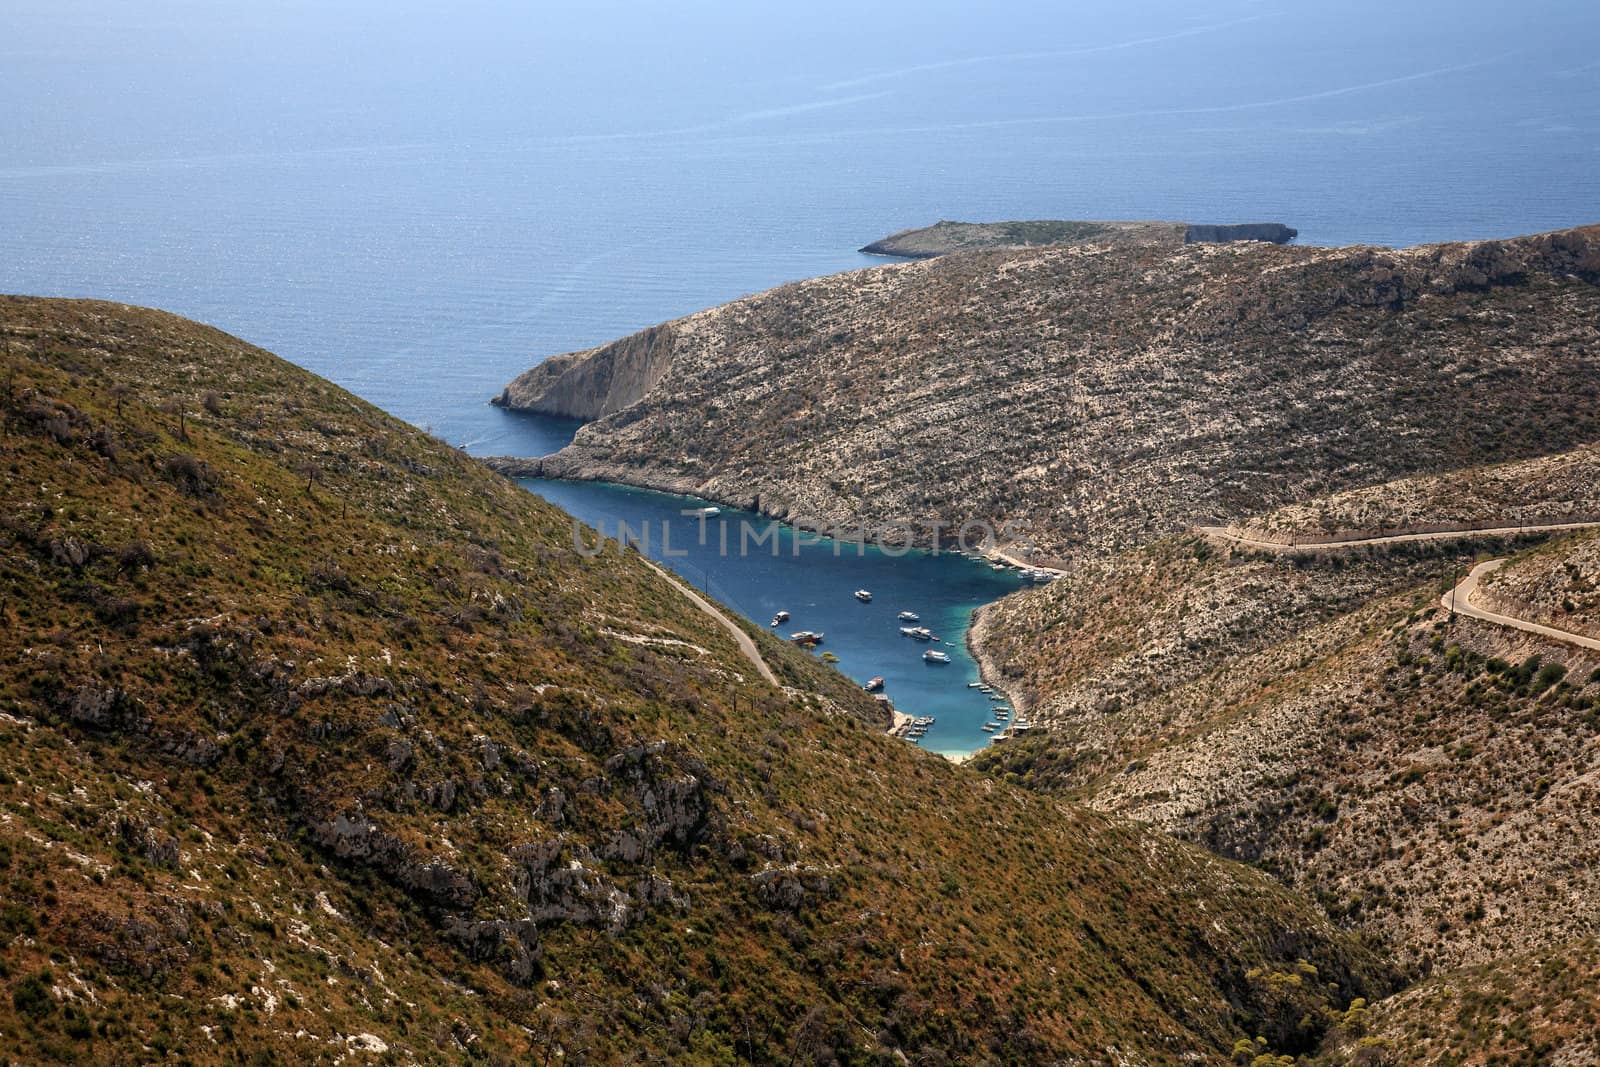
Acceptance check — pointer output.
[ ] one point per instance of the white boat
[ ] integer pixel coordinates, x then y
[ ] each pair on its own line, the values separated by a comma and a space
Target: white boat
935, 656
917, 633
806, 637
974, 685
863, 596
910, 616
987, 727
782, 616
706, 511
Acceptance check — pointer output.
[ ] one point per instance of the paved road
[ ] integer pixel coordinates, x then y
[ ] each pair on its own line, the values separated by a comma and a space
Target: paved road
742, 639
1226, 534
1459, 600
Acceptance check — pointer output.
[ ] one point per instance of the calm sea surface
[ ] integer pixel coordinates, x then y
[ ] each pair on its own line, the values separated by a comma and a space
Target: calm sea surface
419, 201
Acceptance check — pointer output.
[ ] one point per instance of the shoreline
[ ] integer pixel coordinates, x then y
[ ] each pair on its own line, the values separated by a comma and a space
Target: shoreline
988, 670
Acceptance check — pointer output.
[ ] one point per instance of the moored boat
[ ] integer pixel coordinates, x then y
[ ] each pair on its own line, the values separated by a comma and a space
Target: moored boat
873, 685
935, 656
863, 595
806, 637
910, 616
782, 616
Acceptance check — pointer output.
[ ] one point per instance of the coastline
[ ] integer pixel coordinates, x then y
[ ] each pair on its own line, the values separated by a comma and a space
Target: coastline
988, 669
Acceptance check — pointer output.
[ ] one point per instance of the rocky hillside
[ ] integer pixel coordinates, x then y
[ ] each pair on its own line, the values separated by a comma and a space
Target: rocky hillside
322, 744
1429, 779
1100, 395
1551, 489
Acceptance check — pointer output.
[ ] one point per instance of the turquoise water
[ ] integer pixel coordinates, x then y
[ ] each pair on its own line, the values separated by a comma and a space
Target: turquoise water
815, 581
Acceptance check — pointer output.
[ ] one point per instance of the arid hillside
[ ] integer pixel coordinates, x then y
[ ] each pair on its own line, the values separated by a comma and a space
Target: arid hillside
321, 744
1099, 395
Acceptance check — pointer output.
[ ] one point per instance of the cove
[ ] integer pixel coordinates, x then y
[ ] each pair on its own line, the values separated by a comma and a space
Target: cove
814, 580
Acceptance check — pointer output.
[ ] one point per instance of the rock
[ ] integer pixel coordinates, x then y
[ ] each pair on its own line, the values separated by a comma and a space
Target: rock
106, 709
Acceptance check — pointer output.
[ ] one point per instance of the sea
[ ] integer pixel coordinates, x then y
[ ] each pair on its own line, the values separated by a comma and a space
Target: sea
419, 201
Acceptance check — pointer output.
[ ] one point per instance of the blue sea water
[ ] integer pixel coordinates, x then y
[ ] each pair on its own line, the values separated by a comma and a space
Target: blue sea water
760, 568
421, 200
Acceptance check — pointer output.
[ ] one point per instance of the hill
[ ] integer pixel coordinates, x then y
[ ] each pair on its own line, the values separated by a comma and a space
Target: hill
1097, 397
321, 743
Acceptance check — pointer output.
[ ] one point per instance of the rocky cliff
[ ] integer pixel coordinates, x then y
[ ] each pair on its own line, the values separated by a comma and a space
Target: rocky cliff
596, 383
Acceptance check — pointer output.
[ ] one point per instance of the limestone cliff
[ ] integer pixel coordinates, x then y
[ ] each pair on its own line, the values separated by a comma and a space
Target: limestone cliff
596, 383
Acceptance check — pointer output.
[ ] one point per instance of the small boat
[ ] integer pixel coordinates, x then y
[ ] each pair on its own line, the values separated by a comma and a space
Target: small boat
873, 685
917, 633
987, 727
863, 596
935, 656
910, 616
706, 511
782, 616
997, 698
974, 685
806, 637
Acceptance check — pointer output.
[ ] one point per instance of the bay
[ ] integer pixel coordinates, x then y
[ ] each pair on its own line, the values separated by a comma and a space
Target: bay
814, 580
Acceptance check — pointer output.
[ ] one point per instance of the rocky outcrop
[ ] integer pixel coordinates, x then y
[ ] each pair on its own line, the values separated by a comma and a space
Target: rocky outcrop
596, 383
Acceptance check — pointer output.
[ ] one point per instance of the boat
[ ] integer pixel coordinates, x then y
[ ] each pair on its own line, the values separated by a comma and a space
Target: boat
873, 685
782, 616
974, 685
706, 511
863, 596
935, 656
805, 637
987, 727
917, 633
910, 616
998, 698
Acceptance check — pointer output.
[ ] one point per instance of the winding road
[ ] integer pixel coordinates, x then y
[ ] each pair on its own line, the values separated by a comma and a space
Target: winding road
742, 639
1459, 601
1225, 533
